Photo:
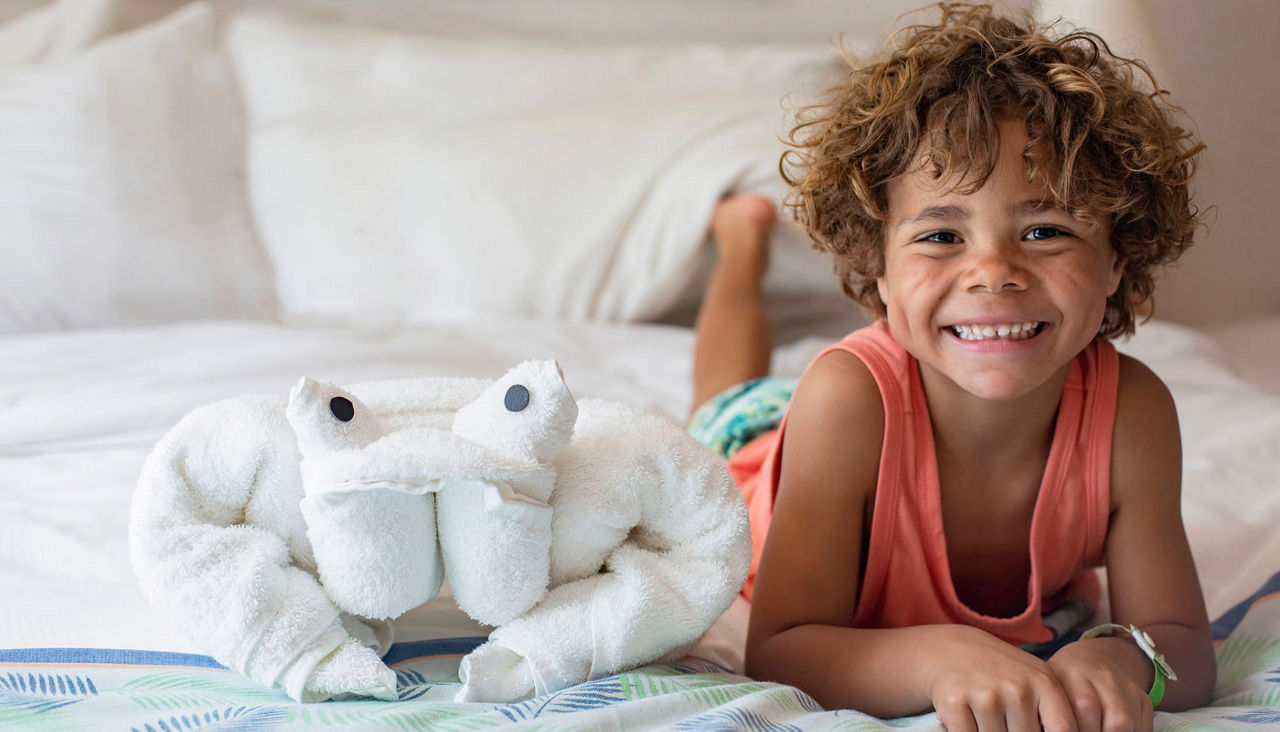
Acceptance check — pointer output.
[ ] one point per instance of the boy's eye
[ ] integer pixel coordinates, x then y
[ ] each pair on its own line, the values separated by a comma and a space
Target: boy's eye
940, 237
1041, 233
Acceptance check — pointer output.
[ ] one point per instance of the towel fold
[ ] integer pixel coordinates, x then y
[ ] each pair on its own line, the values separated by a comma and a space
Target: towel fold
375, 548
370, 503
495, 528
217, 541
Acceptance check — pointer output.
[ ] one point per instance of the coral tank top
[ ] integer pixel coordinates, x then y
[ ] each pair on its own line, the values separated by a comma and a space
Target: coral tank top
907, 579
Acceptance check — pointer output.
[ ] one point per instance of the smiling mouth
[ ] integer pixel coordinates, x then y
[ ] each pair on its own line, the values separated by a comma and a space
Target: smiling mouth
997, 331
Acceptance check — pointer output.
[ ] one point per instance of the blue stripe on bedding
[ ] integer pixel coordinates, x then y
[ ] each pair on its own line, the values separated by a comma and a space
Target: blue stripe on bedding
106, 657
1222, 627
399, 653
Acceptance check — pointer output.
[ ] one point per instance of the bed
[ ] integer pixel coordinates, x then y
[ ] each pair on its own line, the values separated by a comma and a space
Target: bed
214, 201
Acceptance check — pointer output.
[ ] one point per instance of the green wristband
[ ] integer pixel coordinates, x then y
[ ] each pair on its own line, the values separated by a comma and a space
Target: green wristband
1148, 646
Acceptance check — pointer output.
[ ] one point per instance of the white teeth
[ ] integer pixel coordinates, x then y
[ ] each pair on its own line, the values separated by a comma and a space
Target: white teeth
1007, 331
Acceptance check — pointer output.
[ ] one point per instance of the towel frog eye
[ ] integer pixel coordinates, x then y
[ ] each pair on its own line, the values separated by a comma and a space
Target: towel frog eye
517, 398
342, 408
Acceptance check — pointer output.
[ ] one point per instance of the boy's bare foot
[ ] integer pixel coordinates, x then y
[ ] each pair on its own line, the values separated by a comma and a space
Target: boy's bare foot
734, 339
740, 226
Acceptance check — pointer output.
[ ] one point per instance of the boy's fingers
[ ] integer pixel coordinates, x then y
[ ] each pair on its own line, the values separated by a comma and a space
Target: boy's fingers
1022, 714
957, 718
1057, 714
1144, 719
988, 710
1082, 702
1087, 708
1146, 715
991, 721
1122, 712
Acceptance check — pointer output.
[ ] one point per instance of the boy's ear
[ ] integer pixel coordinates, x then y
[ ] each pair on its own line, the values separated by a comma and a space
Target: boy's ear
1116, 274
882, 287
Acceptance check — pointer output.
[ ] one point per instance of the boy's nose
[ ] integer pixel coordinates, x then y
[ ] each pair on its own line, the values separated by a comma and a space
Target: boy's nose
996, 268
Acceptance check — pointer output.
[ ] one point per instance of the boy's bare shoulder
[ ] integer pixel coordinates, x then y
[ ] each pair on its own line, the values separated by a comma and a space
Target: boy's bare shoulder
839, 387
1142, 397
1138, 380
836, 420
1146, 443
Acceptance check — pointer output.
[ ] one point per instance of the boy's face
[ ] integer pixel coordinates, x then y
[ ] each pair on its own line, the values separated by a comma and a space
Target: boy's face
995, 291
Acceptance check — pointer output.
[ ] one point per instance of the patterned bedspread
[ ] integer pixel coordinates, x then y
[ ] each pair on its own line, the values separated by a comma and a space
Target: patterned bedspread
93, 689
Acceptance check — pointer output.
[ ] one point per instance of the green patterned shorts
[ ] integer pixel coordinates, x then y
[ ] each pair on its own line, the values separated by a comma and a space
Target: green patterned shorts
740, 414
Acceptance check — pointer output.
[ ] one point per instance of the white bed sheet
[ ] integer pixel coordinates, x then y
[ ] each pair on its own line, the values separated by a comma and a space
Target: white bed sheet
80, 410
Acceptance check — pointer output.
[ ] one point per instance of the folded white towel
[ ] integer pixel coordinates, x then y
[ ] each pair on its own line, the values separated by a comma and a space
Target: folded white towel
650, 545
598, 537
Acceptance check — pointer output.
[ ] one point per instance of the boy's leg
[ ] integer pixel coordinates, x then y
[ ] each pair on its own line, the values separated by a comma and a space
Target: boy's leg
734, 340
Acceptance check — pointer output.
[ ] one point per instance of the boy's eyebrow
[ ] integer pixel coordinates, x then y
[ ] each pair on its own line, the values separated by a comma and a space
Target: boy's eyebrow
942, 213
939, 213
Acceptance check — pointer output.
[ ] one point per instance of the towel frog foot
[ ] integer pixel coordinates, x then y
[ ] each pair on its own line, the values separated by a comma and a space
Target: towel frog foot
494, 673
352, 669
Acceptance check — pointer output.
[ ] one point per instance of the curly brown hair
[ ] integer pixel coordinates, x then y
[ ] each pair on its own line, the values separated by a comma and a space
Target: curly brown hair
1111, 147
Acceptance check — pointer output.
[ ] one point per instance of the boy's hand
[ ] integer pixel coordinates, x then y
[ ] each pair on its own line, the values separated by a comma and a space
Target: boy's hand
1103, 679
982, 683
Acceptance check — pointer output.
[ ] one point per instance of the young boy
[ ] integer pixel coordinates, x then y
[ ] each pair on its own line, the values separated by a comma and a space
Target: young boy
945, 480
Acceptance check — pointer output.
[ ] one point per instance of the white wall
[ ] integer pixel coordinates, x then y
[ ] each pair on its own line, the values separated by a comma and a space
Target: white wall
1221, 61
1225, 59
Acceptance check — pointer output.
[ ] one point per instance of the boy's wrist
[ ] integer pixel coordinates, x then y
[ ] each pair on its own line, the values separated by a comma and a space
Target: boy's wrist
1143, 662
1129, 657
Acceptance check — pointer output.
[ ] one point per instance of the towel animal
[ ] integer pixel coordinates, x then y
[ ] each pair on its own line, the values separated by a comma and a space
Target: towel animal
282, 534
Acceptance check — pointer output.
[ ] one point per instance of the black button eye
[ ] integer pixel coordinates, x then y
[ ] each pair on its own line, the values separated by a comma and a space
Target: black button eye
517, 398
342, 408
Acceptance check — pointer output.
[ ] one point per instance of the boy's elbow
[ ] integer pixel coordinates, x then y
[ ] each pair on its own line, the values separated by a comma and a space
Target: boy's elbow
754, 664
1196, 682
1193, 697
765, 657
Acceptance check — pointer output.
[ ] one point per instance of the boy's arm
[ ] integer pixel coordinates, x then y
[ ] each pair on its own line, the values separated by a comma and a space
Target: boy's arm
808, 585
1151, 574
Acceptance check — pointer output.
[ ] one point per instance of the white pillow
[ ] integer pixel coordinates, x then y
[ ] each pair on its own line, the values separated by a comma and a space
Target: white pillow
405, 178
121, 192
